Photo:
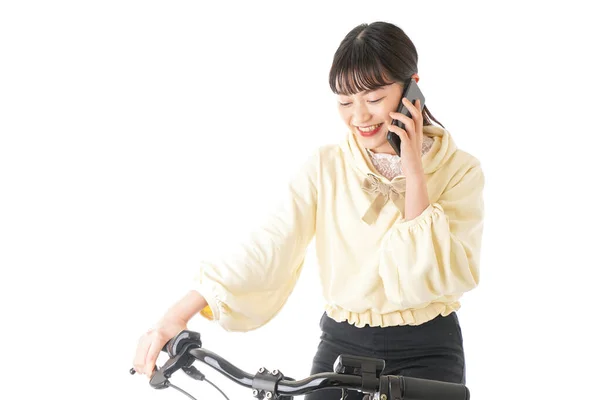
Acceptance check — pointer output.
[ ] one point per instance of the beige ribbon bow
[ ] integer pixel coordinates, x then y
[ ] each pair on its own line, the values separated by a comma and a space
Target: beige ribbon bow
384, 192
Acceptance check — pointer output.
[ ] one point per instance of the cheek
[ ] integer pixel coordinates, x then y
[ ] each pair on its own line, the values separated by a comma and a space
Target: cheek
345, 115
383, 113
386, 109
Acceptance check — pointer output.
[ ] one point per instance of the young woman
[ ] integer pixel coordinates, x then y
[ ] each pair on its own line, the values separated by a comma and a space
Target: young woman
397, 238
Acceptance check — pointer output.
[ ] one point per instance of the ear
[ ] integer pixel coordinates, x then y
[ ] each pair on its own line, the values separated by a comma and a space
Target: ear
415, 76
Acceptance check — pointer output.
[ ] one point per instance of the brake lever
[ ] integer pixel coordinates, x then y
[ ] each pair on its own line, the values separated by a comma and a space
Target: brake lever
160, 376
158, 380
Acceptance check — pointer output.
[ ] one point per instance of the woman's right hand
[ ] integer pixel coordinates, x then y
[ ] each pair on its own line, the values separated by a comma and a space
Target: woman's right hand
151, 343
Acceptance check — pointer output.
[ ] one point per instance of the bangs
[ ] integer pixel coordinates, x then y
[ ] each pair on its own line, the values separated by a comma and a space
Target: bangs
357, 69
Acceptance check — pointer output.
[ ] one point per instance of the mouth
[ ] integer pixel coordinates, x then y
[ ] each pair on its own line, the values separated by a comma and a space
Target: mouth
371, 130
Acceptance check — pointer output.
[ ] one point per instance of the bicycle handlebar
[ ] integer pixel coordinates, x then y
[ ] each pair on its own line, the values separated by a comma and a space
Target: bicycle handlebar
283, 387
351, 372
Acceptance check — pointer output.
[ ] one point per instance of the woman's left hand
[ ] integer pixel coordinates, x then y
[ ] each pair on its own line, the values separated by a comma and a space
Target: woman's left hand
411, 138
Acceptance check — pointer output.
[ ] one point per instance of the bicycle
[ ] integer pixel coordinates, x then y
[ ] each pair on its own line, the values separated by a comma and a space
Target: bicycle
350, 372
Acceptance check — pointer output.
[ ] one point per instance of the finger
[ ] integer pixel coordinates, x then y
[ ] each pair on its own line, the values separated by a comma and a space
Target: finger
139, 361
409, 126
415, 131
419, 121
415, 110
404, 136
400, 132
408, 122
152, 355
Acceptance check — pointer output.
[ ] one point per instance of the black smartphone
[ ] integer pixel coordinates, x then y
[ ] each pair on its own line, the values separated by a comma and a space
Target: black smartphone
412, 93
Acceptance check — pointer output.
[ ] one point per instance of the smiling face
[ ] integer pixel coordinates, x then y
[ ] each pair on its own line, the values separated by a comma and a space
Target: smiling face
367, 115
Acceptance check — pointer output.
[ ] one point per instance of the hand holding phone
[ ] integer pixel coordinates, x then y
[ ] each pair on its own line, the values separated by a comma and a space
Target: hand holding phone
412, 93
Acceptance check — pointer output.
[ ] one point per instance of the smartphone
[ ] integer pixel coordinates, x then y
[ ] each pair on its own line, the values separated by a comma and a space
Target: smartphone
412, 93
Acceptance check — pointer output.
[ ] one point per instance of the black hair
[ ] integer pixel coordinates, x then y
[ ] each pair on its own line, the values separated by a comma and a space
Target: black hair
374, 55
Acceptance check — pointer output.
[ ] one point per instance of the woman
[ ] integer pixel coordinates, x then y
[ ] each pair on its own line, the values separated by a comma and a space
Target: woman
397, 238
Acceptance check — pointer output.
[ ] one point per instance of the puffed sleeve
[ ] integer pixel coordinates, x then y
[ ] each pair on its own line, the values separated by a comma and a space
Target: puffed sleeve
437, 253
249, 285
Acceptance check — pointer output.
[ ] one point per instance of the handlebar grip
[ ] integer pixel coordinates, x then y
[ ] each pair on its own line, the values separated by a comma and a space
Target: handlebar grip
166, 346
425, 389
176, 343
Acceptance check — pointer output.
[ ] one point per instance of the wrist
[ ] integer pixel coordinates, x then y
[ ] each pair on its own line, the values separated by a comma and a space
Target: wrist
416, 175
416, 197
169, 320
182, 311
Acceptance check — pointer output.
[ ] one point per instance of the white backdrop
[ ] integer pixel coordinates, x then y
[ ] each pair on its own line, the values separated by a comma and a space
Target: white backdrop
137, 137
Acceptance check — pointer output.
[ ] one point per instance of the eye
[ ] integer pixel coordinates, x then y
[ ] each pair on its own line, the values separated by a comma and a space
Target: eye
375, 101
344, 104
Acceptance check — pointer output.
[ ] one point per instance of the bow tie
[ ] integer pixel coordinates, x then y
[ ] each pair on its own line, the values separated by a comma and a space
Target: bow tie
385, 192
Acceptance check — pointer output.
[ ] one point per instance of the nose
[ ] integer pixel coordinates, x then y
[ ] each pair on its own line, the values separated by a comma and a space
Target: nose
360, 114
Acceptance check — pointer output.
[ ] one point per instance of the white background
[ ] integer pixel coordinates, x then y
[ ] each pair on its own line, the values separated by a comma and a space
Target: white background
137, 137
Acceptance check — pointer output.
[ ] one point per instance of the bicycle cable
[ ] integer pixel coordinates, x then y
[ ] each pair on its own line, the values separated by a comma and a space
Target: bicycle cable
216, 387
195, 374
169, 384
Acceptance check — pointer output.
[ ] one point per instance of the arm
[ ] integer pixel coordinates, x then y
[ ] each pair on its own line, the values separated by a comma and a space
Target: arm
416, 197
248, 286
245, 290
188, 306
436, 253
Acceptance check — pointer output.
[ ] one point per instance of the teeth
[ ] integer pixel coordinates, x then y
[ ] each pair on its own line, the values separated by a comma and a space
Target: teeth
370, 128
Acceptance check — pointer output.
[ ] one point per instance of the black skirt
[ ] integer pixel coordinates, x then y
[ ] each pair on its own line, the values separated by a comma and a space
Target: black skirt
433, 350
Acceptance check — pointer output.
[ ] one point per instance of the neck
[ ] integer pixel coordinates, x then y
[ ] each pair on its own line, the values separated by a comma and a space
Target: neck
385, 149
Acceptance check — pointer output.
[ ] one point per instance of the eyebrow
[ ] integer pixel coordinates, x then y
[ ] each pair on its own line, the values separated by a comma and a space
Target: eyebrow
370, 90
377, 88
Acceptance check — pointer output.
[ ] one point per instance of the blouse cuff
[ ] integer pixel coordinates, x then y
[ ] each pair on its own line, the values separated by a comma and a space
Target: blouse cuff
423, 220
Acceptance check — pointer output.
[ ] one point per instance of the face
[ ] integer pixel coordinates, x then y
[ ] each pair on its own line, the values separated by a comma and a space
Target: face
367, 115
